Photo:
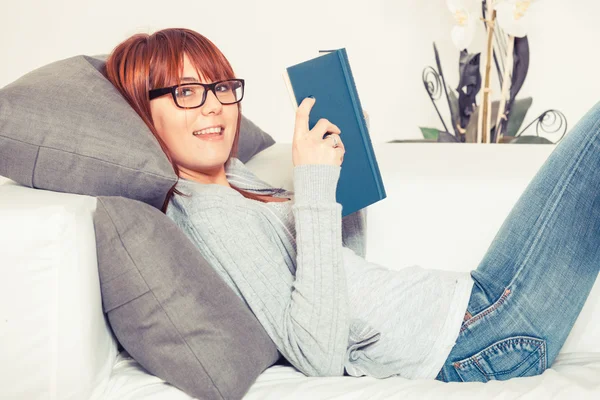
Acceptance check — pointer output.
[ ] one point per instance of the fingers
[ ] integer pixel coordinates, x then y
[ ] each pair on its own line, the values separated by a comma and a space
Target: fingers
303, 113
323, 126
338, 147
312, 146
334, 141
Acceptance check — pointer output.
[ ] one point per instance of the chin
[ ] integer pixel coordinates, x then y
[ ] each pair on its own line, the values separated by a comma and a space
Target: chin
212, 163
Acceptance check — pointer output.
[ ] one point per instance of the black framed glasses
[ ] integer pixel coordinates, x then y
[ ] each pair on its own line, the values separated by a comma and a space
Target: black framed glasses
193, 95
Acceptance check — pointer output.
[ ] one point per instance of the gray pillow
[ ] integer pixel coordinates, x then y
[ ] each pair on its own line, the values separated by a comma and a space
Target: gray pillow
64, 127
170, 310
252, 141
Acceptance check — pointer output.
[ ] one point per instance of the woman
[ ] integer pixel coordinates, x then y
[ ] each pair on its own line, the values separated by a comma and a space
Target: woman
300, 267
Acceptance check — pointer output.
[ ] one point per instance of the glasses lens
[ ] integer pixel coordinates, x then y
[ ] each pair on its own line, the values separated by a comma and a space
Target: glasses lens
189, 95
229, 92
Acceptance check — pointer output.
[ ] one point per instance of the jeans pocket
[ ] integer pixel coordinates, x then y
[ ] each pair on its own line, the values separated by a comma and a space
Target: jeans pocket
509, 358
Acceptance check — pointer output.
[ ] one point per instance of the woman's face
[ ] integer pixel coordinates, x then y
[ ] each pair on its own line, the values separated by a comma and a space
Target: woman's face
199, 157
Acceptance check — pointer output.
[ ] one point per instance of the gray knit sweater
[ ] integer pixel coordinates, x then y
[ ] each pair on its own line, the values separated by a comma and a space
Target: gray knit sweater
301, 270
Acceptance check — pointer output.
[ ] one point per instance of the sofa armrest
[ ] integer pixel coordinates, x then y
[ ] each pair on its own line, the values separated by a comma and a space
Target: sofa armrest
54, 334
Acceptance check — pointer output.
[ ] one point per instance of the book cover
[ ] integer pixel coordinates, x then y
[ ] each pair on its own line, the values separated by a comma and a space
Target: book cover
329, 79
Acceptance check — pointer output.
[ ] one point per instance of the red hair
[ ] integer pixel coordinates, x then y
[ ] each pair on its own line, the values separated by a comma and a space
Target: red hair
144, 62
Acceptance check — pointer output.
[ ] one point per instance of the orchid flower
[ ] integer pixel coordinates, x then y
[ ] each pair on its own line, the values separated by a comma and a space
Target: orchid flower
514, 16
467, 22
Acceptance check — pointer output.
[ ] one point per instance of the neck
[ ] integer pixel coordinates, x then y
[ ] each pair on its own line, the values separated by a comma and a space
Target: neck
216, 176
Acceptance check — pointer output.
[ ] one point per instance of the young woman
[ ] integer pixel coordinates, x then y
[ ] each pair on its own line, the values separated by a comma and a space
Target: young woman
301, 268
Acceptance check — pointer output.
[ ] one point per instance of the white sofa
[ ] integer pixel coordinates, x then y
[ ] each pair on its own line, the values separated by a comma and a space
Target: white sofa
445, 203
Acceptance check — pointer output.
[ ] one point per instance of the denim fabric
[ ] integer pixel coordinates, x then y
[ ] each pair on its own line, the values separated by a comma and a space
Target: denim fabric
535, 277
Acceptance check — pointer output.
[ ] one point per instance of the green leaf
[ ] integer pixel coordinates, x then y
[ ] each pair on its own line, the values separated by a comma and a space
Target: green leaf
517, 115
430, 133
531, 139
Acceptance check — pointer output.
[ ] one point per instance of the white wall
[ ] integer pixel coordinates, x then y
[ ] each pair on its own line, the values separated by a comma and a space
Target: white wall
389, 40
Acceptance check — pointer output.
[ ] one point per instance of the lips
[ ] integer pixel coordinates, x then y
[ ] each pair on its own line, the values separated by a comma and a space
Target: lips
211, 130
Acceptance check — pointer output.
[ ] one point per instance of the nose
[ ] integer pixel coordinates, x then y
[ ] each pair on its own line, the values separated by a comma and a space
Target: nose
212, 105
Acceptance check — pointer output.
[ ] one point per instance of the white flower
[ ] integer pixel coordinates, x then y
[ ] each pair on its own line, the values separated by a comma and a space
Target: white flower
514, 16
466, 16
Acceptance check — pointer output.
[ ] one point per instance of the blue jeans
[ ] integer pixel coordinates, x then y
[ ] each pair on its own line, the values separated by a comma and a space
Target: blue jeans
539, 270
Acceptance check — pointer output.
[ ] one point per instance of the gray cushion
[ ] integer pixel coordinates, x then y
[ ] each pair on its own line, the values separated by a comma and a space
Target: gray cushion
64, 127
170, 310
252, 141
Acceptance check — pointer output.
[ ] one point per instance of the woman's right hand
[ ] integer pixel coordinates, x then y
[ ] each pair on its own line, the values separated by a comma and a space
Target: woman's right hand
308, 146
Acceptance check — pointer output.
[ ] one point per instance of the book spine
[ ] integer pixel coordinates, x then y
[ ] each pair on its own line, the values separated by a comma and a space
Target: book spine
343, 58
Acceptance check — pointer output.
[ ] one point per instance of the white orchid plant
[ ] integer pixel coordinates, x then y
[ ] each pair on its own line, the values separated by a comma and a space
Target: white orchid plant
487, 29
466, 17
514, 16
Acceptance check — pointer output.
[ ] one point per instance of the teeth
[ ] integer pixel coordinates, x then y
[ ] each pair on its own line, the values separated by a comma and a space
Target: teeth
208, 131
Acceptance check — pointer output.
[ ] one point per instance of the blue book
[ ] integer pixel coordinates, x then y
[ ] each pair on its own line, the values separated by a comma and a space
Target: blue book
329, 79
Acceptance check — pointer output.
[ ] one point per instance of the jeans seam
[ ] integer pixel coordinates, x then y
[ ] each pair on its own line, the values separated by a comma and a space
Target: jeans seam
480, 368
544, 356
520, 340
542, 348
527, 370
485, 312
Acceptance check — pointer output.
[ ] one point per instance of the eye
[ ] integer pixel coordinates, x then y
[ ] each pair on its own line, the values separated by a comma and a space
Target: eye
186, 91
224, 87
189, 91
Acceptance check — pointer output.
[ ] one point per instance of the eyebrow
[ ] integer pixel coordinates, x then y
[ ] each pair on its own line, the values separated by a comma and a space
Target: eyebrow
188, 79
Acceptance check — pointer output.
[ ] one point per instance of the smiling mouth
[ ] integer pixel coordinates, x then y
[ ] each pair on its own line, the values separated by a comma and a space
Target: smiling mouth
215, 131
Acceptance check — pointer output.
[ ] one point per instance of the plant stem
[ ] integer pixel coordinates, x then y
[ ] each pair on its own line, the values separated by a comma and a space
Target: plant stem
486, 106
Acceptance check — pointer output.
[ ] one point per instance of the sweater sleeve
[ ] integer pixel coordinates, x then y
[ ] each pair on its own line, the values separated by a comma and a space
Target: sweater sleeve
354, 232
306, 315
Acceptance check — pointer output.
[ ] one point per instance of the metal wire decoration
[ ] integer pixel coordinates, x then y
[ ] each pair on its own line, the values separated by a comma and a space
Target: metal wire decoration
549, 122
433, 86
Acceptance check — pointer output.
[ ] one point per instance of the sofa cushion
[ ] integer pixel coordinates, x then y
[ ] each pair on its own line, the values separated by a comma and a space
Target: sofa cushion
170, 310
64, 127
